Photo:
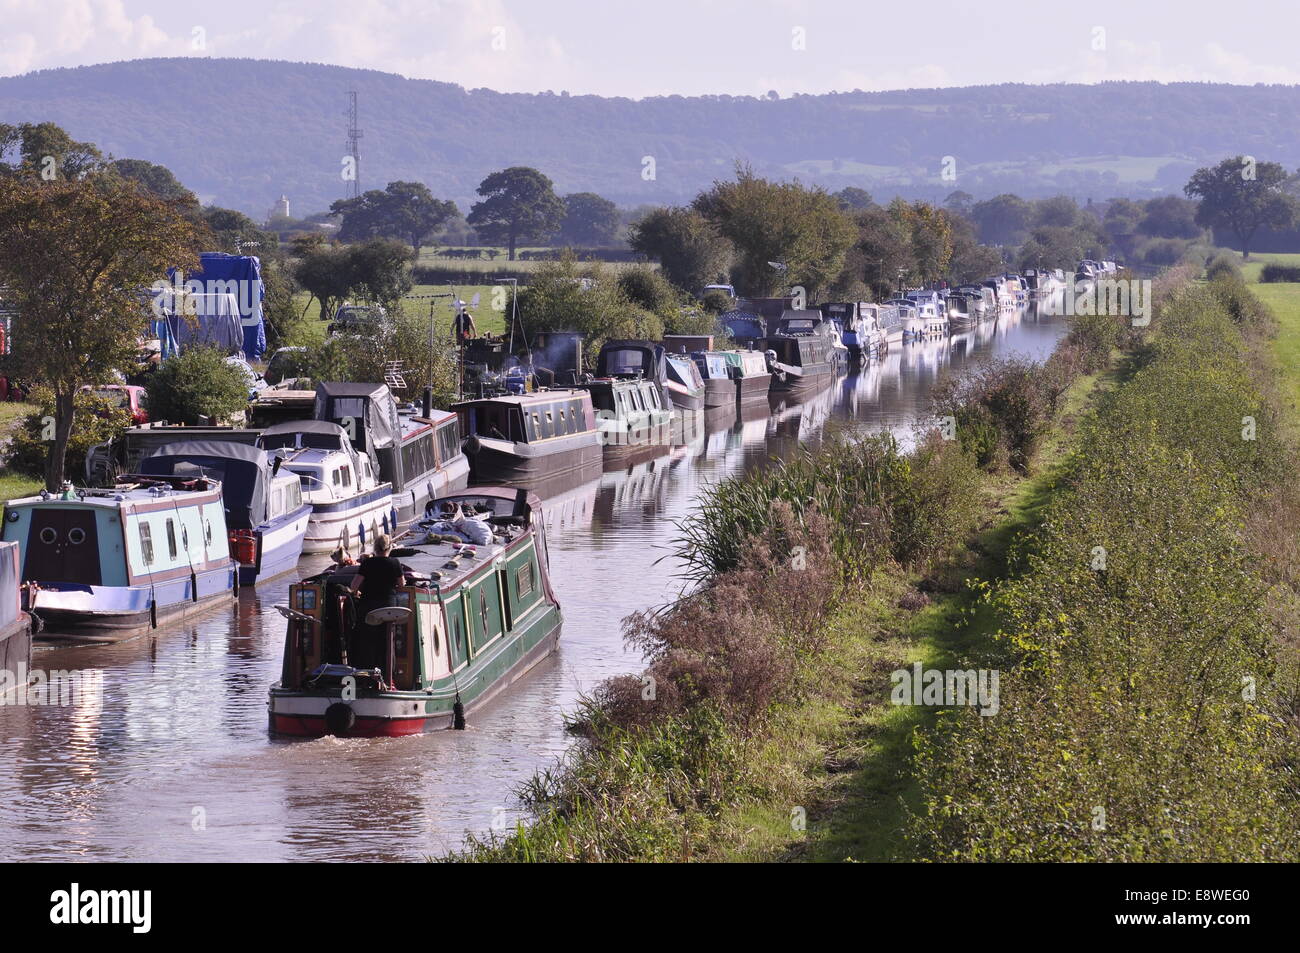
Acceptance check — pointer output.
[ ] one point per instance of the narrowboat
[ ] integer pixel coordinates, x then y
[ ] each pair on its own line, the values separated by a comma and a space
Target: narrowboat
105, 563
266, 514
521, 439
719, 388
799, 362
417, 451
808, 322
685, 386
15, 624
472, 619
748, 375
680, 385
965, 311
106, 462
630, 418
350, 505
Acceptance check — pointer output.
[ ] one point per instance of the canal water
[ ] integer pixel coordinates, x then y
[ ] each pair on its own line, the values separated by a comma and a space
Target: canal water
176, 764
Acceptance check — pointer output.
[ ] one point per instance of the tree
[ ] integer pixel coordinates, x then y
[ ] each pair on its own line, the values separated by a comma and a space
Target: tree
1060, 211
589, 220
558, 300
688, 248
405, 210
1241, 195
73, 255
519, 203
229, 227
45, 150
799, 229
157, 180
376, 271
1170, 217
854, 199
195, 386
959, 203
1002, 220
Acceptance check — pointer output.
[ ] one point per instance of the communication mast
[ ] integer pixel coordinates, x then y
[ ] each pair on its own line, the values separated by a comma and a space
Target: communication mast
354, 144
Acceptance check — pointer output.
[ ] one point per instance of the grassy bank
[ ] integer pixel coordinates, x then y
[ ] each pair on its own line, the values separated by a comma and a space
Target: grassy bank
1147, 706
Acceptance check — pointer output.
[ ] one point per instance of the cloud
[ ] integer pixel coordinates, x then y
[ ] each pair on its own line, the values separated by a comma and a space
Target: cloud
43, 33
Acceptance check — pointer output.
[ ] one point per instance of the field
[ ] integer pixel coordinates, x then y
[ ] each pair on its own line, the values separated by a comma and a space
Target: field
1284, 299
14, 485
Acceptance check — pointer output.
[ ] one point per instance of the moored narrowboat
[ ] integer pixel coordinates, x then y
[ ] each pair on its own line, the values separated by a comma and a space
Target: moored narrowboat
630, 418
686, 387
799, 362
719, 388
751, 375
266, 514
15, 625
104, 564
470, 621
519, 440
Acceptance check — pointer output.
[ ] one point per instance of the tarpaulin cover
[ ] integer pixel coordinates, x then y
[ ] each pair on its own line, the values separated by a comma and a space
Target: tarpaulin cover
214, 321
240, 275
369, 405
8, 583
244, 472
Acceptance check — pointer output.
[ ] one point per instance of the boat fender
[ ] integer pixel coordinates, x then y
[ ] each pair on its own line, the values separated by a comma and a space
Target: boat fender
458, 715
153, 613
339, 718
473, 444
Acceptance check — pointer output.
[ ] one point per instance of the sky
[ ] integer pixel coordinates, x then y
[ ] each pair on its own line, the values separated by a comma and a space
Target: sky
640, 48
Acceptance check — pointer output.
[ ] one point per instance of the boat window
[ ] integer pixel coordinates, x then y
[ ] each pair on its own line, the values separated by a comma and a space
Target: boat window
146, 543
171, 539
448, 441
292, 497
207, 530
638, 399
336, 478
347, 475
277, 503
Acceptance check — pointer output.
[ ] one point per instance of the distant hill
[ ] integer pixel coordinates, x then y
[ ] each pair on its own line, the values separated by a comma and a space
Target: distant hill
241, 132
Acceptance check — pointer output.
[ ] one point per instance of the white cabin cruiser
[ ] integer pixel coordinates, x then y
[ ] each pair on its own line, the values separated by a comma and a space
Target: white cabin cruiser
350, 506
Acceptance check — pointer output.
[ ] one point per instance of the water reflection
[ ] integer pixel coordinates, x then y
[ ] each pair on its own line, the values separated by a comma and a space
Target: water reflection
178, 764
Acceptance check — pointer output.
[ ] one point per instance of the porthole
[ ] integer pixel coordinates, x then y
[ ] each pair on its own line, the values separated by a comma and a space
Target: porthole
49, 536
76, 536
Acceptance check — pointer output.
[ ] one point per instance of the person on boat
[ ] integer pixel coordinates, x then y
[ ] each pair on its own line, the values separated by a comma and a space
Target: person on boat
376, 582
464, 327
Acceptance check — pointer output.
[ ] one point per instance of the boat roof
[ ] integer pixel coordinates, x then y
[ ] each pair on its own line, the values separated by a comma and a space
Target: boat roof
147, 489
244, 472
305, 426
449, 563
536, 397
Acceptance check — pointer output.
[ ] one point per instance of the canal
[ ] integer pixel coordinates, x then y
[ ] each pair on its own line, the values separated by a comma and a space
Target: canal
176, 764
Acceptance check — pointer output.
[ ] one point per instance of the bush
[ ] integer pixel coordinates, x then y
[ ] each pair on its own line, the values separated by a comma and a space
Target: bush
195, 386
95, 421
1279, 273
1012, 397
1222, 265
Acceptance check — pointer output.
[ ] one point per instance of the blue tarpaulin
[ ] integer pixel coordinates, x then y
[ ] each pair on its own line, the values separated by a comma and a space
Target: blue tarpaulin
240, 275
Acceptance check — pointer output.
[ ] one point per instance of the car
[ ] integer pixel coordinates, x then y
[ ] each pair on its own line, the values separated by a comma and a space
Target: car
128, 397
354, 319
